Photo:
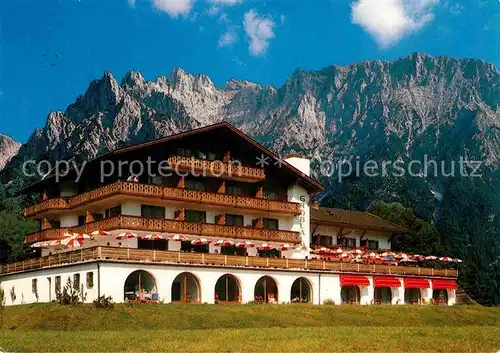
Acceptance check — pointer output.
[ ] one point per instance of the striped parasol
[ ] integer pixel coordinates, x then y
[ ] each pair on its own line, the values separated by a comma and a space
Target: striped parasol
445, 259
301, 247
201, 241
99, 233
178, 237
431, 258
126, 235
339, 251
224, 242
265, 246
72, 242
286, 246
245, 244
153, 236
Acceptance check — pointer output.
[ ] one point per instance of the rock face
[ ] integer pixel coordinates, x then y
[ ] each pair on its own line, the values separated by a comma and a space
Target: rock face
8, 149
419, 103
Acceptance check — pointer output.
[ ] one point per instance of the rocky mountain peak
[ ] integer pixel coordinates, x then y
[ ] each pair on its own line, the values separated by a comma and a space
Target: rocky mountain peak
132, 79
8, 149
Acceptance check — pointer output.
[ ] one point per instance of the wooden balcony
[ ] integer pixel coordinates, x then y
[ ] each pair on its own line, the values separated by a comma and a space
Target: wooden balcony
166, 193
169, 226
219, 169
177, 257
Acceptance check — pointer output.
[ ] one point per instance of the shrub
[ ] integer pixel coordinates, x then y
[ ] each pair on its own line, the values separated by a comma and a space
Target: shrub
104, 302
328, 302
71, 294
13, 295
2, 305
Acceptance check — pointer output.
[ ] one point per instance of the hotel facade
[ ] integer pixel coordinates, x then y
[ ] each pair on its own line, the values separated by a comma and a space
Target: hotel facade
229, 222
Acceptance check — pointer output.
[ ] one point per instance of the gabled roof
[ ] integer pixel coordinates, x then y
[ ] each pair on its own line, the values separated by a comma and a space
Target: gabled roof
337, 217
308, 182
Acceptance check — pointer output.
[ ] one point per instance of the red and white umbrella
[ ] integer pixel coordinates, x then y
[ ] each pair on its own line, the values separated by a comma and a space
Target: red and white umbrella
245, 244
357, 251
345, 255
153, 236
407, 259
99, 233
265, 246
286, 246
458, 260
372, 255
40, 244
84, 237
445, 259
324, 250
401, 255
301, 248
388, 254
72, 242
224, 242
431, 258
201, 241
178, 237
126, 235
339, 251
418, 257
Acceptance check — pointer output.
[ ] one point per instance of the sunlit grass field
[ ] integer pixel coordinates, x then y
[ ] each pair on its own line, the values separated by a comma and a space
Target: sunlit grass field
250, 328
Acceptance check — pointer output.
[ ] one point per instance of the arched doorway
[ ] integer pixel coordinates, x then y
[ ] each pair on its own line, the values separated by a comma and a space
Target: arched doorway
350, 295
186, 288
140, 285
301, 291
440, 296
266, 290
227, 289
383, 295
412, 295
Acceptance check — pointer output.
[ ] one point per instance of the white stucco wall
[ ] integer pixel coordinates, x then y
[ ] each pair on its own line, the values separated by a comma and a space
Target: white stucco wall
324, 286
382, 237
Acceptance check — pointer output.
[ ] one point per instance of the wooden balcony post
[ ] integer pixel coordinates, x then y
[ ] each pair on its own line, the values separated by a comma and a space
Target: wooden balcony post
88, 217
46, 224
227, 157
222, 188
259, 193
221, 219
180, 215
181, 183
259, 224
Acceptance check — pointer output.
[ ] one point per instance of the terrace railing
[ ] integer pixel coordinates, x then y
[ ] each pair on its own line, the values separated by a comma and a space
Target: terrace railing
163, 192
169, 226
179, 257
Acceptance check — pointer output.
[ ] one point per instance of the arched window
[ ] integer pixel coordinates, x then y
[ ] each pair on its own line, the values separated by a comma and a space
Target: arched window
140, 285
301, 291
412, 295
383, 295
266, 290
227, 289
186, 288
350, 295
440, 296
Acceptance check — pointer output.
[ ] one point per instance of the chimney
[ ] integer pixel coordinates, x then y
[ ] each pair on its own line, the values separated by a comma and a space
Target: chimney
300, 162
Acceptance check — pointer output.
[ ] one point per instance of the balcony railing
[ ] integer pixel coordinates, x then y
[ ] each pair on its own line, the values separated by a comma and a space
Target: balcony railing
217, 168
163, 192
169, 226
161, 256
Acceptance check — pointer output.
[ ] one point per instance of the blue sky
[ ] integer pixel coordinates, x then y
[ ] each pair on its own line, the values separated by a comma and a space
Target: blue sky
51, 50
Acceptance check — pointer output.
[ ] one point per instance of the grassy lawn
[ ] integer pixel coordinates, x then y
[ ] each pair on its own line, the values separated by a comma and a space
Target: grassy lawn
250, 328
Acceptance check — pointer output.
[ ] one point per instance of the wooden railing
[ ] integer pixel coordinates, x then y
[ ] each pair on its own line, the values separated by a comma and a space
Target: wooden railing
169, 226
217, 168
167, 193
135, 255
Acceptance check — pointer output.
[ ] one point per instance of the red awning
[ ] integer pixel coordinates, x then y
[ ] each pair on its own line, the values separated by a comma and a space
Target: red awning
416, 283
383, 281
353, 280
444, 284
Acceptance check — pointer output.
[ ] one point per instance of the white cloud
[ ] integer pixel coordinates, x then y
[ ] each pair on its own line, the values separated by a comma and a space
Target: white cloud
388, 21
227, 39
260, 30
225, 2
174, 8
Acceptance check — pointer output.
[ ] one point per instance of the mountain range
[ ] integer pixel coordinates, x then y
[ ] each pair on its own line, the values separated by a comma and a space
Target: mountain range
440, 108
